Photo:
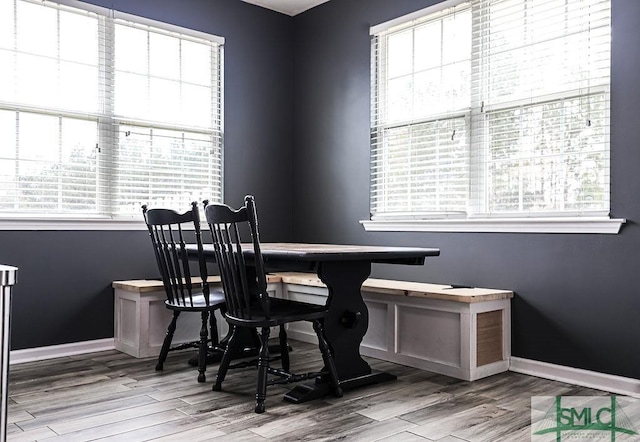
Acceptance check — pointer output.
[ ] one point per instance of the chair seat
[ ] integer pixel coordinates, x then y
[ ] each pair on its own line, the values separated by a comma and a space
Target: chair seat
216, 299
282, 311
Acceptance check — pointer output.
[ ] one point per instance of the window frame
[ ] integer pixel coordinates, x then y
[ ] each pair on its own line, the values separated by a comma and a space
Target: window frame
109, 221
554, 222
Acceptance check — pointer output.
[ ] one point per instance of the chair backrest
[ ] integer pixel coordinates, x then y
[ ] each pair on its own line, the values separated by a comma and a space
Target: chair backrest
167, 236
244, 281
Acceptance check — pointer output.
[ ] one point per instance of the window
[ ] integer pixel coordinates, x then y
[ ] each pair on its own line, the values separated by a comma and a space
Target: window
492, 109
101, 112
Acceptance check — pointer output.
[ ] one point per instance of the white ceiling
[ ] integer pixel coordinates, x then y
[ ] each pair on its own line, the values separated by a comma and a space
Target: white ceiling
289, 7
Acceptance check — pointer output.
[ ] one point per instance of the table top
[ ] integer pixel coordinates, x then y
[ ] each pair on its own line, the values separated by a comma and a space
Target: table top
338, 252
323, 252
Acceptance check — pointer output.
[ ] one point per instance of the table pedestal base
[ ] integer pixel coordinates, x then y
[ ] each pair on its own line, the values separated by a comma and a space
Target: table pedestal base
307, 392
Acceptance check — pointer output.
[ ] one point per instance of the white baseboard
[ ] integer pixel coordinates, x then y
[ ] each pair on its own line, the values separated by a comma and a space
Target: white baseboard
576, 376
592, 379
58, 351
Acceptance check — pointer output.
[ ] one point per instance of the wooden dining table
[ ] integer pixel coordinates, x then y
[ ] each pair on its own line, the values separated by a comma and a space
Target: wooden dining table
343, 268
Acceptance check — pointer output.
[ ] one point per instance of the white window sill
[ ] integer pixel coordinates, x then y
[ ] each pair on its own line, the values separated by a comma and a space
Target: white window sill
530, 225
501, 225
71, 224
100, 224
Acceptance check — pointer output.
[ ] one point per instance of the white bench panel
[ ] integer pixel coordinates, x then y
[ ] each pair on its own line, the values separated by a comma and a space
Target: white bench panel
378, 336
422, 333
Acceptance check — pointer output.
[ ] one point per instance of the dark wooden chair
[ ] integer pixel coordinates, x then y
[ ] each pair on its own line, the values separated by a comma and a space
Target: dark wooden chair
249, 303
185, 292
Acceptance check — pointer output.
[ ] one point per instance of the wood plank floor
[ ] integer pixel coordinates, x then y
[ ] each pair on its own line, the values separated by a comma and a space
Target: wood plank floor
110, 396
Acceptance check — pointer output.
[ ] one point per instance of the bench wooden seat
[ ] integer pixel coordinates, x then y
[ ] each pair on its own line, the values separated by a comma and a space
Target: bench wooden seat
408, 288
152, 285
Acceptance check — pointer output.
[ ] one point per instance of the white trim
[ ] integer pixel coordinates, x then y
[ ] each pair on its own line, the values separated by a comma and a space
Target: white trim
78, 4
80, 224
289, 7
117, 15
71, 224
577, 376
406, 19
58, 351
501, 225
136, 19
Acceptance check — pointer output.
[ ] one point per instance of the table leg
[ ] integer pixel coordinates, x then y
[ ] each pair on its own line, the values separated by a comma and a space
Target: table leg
345, 325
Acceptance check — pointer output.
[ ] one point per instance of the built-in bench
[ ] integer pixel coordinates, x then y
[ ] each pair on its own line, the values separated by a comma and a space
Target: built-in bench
460, 332
141, 319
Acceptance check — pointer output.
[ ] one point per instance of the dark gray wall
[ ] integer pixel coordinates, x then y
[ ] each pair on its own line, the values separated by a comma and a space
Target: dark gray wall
577, 296
297, 111
64, 290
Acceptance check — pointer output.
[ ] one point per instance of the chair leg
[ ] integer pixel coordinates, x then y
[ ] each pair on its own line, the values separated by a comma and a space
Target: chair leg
328, 359
166, 344
202, 347
213, 325
284, 348
263, 366
226, 359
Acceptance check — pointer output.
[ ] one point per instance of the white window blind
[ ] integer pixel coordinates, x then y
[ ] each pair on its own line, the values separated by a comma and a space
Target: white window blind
101, 112
492, 108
